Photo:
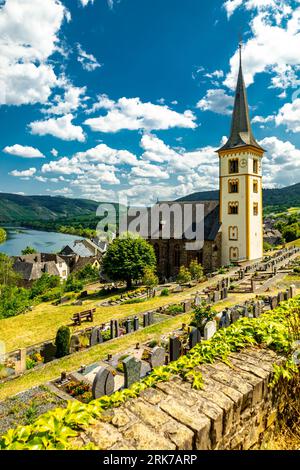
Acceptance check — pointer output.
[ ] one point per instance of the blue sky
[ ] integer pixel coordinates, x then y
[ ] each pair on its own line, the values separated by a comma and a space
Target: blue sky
133, 97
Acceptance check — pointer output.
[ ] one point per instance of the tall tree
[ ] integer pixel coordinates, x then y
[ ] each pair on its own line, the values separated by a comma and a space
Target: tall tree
127, 257
8, 277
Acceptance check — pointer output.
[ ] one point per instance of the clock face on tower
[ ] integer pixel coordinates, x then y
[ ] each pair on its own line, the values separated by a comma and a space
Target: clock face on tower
243, 163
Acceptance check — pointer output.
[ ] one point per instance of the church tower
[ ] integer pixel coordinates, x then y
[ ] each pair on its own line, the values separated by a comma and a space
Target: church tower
241, 204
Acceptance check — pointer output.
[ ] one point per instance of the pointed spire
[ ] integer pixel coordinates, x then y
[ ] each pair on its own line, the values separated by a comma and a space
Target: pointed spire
241, 132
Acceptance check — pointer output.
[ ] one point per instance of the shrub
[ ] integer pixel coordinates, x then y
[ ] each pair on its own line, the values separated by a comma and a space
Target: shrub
30, 363
196, 270
184, 275
62, 341
175, 309
134, 301
165, 293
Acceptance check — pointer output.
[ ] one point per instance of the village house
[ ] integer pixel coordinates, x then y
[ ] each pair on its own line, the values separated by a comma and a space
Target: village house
32, 267
82, 253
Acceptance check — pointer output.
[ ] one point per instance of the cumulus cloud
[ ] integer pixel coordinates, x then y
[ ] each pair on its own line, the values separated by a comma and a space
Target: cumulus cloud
289, 116
70, 101
216, 101
29, 36
23, 174
62, 128
266, 50
133, 114
23, 151
87, 61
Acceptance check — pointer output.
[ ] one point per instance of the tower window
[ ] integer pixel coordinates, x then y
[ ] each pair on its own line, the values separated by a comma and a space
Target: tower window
234, 166
233, 186
233, 233
255, 208
255, 186
233, 208
234, 254
255, 166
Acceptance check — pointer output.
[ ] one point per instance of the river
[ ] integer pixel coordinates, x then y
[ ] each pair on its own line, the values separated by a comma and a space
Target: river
43, 242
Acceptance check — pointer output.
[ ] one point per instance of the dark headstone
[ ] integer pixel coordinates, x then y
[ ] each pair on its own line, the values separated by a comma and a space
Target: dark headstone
235, 316
48, 352
216, 296
94, 339
157, 357
74, 344
194, 337
136, 323
128, 326
150, 318
225, 320
280, 297
187, 306
293, 291
132, 371
112, 329
145, 320
175, 348
103, 384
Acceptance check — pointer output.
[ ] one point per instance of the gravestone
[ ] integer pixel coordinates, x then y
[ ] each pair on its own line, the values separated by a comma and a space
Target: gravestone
150, 318
74, 344
225, 293
128, 326
145, 320
103, 384
274, 302
112, 329
194, 337
293, 291
280, 297
175, 348
48, 352
187, 306
216, 296
235, 315
132, 371
94, 339
210, 329
256, 310
197, 301
136, 323
225, 320
157, 357
117, 329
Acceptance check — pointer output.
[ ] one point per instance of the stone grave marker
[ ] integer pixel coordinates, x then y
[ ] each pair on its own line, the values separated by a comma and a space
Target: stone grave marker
274, 302
187, 306
145, 320
197, 301
112, 329
293, 291
157, 357
225, 320
128, 326
132, 371
94, 339
280, 297
175, 348
150, 318
216, 296
103, 384
74, 344
235, 315
136, 323
194, 337
210, 329
48, 352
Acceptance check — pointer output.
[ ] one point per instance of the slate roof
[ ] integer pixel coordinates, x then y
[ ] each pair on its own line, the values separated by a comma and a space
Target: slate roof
241, 132
82, 248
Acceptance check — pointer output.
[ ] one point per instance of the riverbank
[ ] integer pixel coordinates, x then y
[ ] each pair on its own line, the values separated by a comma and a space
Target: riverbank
3, 235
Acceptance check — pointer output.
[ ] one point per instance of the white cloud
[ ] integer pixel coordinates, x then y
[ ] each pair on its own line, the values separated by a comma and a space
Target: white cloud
23, 151
84, 3
54, 152
133, 114
87, 61
71, 101
289, 116
267, 51
277, 6
216, 101
61, 128
24, 173
281, 163
61, 192
29, 36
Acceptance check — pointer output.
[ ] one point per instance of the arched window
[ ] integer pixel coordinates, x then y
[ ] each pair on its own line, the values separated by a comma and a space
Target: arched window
233, 186
233, 208
234, 254
233, 233
233, 165
177, 256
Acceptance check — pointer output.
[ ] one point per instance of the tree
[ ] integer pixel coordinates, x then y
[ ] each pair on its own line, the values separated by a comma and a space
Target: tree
62, 341
184, 275
13, 301
28, 251
44, 284
127, 257
8, 277
196, 270
73, 285
88, 273
150, 280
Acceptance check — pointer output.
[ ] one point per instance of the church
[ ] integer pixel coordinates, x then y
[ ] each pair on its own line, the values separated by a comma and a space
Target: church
233, 225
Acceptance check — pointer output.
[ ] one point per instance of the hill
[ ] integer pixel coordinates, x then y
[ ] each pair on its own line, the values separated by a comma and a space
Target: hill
15, 208
274, 199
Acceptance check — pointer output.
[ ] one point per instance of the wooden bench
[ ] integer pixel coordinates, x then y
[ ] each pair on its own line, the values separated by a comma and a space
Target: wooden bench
87, 315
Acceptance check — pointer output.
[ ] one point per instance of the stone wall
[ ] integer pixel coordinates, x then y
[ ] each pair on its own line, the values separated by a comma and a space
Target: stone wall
233, 411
